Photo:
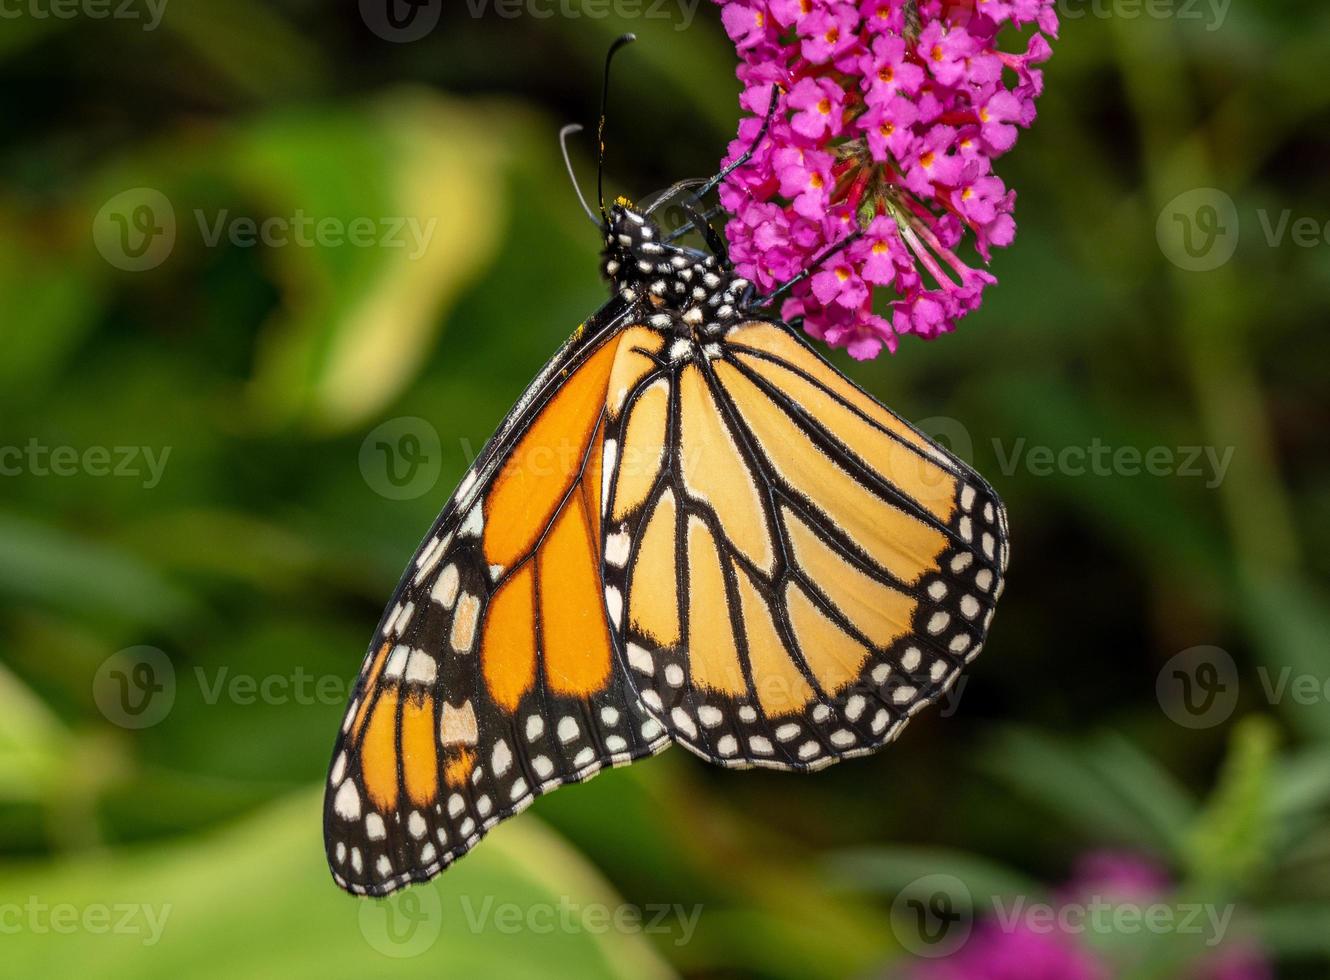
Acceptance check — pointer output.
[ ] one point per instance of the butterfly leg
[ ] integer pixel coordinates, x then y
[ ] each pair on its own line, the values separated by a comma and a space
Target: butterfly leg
812, 268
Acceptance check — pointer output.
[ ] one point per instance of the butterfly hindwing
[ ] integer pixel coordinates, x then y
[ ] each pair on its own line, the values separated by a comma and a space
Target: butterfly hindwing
800, 571
492, 677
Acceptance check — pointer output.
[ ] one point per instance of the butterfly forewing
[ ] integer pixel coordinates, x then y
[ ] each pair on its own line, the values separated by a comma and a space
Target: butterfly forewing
492, 676
798, 571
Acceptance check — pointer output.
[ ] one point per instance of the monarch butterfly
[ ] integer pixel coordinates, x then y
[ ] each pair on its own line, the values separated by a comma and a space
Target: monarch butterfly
691, 528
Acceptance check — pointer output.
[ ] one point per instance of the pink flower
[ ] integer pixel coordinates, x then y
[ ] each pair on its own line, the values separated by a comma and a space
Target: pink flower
747, 25
828, 32
819, 106
997, 117
1019, 953
945, 52
887, 71
889, 118
889, 128
805, 176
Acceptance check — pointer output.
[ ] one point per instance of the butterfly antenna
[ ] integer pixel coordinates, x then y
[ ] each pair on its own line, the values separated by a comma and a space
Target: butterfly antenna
621, 41
564, 133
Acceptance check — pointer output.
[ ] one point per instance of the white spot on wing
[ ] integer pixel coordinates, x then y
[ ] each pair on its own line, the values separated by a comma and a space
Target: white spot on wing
429, 558
611, 455
683, 722
421, 668
457, 726
502, 758
346, 804
392, 670
568, 729
464, 623
474, 523
616, 548
374, 828
445, 587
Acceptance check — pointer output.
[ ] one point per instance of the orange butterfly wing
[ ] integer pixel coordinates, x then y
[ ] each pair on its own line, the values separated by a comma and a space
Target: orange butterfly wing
491, 678
801, 570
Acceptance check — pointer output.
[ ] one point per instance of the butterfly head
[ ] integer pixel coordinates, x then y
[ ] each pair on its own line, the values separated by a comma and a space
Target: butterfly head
691, 290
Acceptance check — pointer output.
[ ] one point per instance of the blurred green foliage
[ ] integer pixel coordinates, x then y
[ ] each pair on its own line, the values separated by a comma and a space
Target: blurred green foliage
263, 550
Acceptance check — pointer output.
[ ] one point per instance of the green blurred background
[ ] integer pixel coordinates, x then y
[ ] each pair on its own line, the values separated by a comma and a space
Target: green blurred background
197, 533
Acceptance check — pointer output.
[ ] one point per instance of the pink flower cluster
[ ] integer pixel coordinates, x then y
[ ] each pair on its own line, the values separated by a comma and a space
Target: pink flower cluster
890, 115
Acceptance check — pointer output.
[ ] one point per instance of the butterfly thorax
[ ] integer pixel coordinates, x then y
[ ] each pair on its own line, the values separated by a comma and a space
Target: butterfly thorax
683, 288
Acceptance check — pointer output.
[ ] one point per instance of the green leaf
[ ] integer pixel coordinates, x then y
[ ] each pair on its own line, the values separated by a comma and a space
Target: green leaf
358, 321
1301, 930
33, 743
66, 572
1289, 623
1068, 783
256, 900
1163, 805
888, 870
1230, 840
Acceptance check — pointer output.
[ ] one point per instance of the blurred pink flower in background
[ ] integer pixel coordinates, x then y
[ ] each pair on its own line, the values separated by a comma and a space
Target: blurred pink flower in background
1016, 950
1019, 953
890, 115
